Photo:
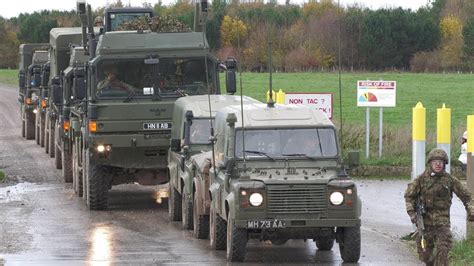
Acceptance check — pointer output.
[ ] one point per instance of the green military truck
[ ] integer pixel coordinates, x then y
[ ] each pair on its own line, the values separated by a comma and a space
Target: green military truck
32, 56
133, 79
190, 146
42, 104
279, 176
73, 97
60, 41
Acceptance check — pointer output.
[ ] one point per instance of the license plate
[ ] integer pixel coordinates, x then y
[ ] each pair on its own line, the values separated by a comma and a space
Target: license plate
265, 224
156, 126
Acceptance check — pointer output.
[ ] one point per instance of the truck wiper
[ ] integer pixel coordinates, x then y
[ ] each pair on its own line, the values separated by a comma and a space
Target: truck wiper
300, 154
261, 153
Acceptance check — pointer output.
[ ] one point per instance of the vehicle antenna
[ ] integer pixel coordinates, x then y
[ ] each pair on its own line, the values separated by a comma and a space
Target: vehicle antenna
339, 70
203, 10
241, 96
271, 102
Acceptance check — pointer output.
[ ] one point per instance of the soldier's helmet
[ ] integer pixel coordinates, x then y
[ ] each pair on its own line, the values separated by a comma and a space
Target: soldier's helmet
98, 21
464, 135
438, 154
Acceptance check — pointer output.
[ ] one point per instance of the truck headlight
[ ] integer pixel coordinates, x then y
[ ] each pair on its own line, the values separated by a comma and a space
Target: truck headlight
256, 199
336, 198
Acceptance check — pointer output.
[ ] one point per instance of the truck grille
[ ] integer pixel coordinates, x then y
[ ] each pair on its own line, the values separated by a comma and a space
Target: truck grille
296, 199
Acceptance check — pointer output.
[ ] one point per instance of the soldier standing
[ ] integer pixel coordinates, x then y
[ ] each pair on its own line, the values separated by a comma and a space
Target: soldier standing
434, 188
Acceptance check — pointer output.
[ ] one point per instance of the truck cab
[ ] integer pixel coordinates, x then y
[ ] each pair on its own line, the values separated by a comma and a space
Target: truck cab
279, 175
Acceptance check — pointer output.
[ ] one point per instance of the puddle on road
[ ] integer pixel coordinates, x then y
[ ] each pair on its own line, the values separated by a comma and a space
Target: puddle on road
14, 193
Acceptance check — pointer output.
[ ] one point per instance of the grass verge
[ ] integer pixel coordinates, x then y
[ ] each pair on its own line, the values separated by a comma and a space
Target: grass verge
9, 76
462, 253
2, 176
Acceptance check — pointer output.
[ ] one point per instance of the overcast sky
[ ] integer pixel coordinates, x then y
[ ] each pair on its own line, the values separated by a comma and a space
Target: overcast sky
12, 8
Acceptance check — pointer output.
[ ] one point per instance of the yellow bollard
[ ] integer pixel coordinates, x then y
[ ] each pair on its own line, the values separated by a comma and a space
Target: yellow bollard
443, 132
419, 122
280, 97
470, 169
470, 133
418, 140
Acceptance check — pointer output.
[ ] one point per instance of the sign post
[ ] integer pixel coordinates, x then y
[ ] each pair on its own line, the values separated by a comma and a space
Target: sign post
375, 94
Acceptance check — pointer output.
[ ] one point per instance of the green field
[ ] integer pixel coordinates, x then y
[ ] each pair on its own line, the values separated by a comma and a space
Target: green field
2, 176
455, 90
9, 76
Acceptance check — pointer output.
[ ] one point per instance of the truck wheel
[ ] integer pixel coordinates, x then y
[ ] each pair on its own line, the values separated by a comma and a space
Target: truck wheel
58, 157
186, 210
47, 130
85, 163
37, 128
29, 125
324, 242
97, 187
76, 174
279, 242
23, 130
66, 164
200, 222
174, 204
41, 126
51, 142
349, 246
236, 241
217, 231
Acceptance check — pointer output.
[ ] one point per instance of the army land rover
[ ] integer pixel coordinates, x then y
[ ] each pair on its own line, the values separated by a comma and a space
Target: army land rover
278, 176
29, 77
190, 147
133, 79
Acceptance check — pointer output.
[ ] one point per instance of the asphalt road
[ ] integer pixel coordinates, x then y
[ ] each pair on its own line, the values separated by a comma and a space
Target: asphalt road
43, 223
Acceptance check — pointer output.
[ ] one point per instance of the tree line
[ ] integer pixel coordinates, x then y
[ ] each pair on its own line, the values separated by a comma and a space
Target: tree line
436, 37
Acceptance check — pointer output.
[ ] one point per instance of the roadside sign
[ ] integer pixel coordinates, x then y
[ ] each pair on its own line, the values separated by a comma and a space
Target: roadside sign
319, 101
376, 93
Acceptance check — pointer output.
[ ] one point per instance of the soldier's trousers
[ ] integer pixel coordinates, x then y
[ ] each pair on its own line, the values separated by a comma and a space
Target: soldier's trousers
439, 243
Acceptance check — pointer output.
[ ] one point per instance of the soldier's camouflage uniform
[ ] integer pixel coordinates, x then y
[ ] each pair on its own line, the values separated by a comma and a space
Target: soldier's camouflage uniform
436, 191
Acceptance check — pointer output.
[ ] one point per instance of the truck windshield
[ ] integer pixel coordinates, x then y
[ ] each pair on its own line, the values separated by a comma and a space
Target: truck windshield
277, 143
200, 131
171, 77
116, 19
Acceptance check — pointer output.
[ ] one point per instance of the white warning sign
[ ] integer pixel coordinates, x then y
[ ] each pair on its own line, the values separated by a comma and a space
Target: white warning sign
319, 101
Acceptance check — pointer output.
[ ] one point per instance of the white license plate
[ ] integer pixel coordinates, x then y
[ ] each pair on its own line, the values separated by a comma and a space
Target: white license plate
265, 224
156, 126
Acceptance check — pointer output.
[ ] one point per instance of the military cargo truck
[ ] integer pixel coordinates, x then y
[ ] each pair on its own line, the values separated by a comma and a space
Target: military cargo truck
60, 41
73, 89
42, 104
279, 176
190, 144
29, 81
133, 80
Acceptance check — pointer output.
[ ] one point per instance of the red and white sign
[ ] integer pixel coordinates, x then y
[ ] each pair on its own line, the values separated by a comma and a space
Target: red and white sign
376, 93
319, 101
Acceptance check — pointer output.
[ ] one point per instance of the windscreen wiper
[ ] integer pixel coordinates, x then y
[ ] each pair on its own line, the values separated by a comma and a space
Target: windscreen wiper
261, 153
300, 154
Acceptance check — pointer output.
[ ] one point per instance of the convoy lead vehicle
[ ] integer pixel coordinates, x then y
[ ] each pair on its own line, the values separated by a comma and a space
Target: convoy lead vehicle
279, 176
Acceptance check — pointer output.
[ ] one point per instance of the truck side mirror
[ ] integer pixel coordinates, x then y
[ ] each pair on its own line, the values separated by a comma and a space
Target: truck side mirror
230, 76
57, 91
21, 80
175, 145
79, 84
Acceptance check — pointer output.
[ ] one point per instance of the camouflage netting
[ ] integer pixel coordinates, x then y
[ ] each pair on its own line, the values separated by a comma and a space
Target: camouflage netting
155, 24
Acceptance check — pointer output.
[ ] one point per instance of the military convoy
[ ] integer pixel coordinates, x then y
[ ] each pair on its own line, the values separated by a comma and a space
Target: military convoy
144, 107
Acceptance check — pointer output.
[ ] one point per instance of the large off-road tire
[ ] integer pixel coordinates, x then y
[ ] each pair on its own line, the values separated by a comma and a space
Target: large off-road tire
236, 241
174, 204
47, 130
186, 210
29, 125
66, 164
85, 163
324, 242
200, 222
217, 231
349, 246
77, 183
97, 187
51, 143
41, 129
37, 128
